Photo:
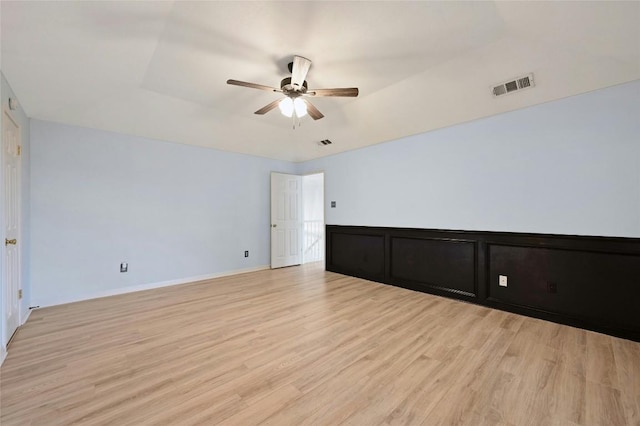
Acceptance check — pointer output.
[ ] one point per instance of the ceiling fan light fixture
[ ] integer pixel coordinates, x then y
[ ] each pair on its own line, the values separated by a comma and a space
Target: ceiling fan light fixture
300, 107
288, 106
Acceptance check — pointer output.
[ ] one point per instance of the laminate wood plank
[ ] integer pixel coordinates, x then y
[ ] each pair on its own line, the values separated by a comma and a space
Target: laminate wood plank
569, 397
474, 379
604, 405
501, 399
601, 366
304, 346
627, 358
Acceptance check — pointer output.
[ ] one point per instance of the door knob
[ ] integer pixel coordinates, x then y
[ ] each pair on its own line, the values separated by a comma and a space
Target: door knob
274, 225
7, 242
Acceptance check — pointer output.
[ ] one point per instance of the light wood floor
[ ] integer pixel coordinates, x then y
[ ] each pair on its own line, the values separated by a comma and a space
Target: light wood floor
303, 346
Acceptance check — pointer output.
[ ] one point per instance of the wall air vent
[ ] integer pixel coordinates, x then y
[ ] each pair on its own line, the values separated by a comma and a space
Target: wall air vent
513, 85
325, 142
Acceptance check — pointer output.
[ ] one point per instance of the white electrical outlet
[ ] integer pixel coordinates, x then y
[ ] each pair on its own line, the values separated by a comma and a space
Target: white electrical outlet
502, 280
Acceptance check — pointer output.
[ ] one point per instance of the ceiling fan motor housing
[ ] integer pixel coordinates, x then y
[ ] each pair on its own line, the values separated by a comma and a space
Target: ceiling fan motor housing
289, 89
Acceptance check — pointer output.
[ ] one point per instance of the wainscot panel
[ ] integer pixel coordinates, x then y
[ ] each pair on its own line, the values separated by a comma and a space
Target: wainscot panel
448, 265
357, 254
588, 282
582, 284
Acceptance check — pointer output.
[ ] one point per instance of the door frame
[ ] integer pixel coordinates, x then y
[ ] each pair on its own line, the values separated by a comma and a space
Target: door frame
272, 220
3, 281
324, 209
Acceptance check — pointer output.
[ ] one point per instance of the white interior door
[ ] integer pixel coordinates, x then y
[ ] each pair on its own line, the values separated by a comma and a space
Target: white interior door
286, 220
11, 266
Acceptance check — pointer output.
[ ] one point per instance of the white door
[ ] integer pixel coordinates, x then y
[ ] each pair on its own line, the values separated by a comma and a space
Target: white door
11, 267
286, 220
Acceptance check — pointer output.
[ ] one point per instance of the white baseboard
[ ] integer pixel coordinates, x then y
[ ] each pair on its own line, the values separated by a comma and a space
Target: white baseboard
150, 286
25, 316
3, 349
3, 354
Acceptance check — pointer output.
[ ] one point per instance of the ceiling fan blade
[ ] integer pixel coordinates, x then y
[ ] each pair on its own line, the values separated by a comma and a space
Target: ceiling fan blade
313, 111
349, 92
265, 109
299, 71
253, 85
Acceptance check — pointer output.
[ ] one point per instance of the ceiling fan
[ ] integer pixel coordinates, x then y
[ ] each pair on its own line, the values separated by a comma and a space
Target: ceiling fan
296, 90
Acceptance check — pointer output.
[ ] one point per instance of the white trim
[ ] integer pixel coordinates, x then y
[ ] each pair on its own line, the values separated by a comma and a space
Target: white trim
26, 316
3, 354
150, 286
324, 212
3, 350
3, 281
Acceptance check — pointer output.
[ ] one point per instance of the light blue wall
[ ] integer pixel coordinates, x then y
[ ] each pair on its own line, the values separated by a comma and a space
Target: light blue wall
568, 167
5, 93
175, 211
171, 211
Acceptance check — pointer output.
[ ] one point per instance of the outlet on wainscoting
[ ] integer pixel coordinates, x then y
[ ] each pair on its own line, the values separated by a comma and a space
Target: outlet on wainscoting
502, 280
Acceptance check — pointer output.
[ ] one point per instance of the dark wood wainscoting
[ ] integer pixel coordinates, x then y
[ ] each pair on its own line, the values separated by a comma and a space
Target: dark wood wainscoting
588, 282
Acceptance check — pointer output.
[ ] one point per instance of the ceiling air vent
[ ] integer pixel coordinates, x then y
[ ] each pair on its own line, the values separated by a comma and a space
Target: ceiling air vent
513, 85
325, 142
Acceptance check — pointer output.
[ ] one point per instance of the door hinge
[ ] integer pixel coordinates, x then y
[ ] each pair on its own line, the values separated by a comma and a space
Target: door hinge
19, 149
20, 294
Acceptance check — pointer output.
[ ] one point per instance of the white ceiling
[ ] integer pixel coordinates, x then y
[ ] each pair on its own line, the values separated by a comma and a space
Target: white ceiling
158, 69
